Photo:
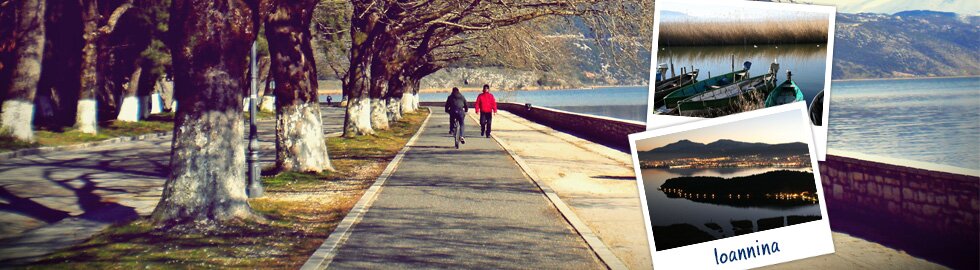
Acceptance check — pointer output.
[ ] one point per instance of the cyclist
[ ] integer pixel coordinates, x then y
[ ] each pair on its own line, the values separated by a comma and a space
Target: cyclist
457, 108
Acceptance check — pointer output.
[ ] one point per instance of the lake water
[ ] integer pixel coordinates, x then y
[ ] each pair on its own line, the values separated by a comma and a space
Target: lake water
628, 103
807, 62
929, 120
666, 211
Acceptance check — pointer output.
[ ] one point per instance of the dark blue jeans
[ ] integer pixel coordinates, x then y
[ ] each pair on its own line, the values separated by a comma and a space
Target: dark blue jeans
457, 116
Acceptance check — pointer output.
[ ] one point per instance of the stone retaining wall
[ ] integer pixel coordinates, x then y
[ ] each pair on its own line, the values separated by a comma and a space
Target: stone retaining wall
935, 200
930, 214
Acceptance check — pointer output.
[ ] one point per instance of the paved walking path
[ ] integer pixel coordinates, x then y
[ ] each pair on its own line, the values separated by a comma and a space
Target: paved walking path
466, 208
55, 200
598, 183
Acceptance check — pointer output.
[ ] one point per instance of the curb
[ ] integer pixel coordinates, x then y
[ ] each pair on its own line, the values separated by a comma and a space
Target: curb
325, 254
49, 149
591, 239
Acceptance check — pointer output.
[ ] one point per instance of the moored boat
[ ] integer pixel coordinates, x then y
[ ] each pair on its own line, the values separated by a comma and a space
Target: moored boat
786, 92
670, 100
726, 97
665, 87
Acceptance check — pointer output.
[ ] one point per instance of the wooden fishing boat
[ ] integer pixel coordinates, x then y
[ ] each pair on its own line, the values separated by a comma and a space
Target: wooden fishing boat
665, 87
670, 100
726, 97
786, 92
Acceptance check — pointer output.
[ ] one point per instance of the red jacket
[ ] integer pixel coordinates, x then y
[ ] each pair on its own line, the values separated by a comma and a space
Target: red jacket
486, 103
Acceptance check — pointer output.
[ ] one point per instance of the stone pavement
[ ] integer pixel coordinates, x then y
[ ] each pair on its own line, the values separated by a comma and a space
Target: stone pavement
55, 200
466, 208
596, 181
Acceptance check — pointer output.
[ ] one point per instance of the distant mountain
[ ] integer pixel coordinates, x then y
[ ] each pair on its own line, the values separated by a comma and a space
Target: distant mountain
721, 148
892, 6
915, 43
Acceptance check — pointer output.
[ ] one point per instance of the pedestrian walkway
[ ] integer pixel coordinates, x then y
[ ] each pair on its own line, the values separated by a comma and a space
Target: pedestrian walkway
55, 200
598, 183
466, 208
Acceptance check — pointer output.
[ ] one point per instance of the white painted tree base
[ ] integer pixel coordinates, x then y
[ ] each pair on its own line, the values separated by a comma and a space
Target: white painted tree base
268, 104
156, 104
299, 139
358, 117
407, 103
86, 120
17, 119
379, 114
394, 109
129, 111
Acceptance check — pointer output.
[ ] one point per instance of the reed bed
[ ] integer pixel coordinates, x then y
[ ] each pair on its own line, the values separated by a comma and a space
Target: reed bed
701, 33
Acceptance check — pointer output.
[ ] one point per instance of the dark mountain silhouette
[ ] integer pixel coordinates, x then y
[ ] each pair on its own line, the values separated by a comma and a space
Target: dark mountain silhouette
721, 148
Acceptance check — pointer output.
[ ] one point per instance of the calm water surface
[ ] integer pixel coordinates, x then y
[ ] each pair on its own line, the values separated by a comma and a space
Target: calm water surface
666, 211
807, 61
930, 120
628, 103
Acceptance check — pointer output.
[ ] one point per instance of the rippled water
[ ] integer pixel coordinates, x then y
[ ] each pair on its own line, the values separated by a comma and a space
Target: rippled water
929, 120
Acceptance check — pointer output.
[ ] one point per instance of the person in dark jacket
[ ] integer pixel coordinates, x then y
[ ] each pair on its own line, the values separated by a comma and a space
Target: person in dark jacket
457, 108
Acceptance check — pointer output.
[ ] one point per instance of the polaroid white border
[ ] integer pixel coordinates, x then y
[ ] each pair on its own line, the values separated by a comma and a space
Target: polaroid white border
819, 132
795, 242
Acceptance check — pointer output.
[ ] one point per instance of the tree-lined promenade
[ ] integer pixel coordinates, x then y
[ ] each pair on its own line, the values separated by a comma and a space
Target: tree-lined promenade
84, 67
78, 65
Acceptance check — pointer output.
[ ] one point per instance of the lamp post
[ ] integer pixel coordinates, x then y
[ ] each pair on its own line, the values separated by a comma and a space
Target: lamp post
254, 189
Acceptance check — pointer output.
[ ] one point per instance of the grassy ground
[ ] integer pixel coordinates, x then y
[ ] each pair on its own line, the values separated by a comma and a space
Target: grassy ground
707, 33
301, 210
155, 123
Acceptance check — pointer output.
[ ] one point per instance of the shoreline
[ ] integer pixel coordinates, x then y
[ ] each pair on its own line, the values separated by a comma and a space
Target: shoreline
905, 78
478, 89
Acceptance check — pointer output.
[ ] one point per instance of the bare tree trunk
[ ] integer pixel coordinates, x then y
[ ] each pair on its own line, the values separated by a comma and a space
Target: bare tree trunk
207, 164
85, 118
18, 108
300, 144
357, 121
268, 103
166, 90
396, 90
145, 92
378, 88
129, 110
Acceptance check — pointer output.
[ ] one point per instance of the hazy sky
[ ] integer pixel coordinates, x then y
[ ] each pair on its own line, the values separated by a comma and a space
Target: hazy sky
784, 127
967, 7
733, 10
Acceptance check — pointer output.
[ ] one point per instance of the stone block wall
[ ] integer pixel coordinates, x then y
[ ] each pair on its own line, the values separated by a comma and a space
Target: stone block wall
927, 199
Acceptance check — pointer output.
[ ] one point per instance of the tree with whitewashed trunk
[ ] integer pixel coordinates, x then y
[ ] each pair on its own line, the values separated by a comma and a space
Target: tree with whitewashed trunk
93, 34
129, 110
379, 79
17, 116
210, 45
300, 144
357, 120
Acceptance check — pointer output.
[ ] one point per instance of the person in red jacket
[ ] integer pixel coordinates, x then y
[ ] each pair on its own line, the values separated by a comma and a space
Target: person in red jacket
486, 107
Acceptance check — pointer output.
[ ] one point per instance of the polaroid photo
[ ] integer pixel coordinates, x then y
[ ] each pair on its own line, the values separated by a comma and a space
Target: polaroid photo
713, 58
733, 192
